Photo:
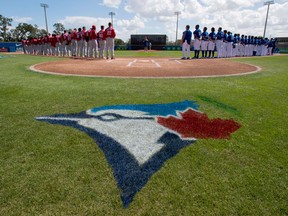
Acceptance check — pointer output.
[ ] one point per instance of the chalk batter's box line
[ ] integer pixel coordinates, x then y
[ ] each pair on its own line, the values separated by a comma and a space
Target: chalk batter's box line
143, 61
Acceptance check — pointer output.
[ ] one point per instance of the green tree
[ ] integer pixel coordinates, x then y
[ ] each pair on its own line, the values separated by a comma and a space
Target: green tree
119, 42
59, 28
4, 23
41, 32
24, 31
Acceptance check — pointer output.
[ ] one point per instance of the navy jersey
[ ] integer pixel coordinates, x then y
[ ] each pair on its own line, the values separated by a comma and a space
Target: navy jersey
225, 37
230, 38
238, 39
197, 34
187, 35
270, 43
220, 35
246, 41
204, 36
242, 40
212, 36
249, 40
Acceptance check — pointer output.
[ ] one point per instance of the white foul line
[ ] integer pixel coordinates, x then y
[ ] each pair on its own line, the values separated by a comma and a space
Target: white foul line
158, 65
131, 63
178, 61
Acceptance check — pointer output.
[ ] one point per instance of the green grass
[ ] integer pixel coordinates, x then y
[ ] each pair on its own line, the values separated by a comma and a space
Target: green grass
54, 170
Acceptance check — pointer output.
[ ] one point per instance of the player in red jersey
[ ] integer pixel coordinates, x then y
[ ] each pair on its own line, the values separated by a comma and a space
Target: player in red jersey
83, 48
63, 43
102, 41
93, 51
74, 42
110, 35
53, 44
79, 42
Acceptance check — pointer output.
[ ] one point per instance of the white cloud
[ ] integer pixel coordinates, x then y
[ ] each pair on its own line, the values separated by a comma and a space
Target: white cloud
152, 8
111, 3
21, 19
127, 27
79, 21
244, 17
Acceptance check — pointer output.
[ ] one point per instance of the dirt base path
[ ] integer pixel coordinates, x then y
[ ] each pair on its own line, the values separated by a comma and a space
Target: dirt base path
146, 68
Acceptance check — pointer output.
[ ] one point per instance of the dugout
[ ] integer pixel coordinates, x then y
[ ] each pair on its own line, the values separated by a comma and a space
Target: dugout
158, 41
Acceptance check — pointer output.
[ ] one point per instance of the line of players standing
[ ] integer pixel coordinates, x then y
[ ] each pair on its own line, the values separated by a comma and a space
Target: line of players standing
226, 44
81, 43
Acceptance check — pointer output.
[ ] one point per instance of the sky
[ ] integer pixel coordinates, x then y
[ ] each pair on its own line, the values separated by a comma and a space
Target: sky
153, 16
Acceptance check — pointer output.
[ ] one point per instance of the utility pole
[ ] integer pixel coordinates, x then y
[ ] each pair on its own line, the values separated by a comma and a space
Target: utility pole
45, 6
267, 3
112, 14
177, 13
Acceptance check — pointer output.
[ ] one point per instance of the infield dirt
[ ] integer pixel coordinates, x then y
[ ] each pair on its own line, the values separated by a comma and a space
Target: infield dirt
146, 68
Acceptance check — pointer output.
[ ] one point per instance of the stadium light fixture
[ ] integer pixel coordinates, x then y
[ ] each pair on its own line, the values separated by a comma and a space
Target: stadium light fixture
267, 3
45, 6
177, 13
112, 14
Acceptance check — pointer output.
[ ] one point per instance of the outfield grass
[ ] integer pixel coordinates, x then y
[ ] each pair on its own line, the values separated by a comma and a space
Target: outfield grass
54, 170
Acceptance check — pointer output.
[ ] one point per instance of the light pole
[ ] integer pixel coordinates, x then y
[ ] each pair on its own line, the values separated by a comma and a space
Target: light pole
267, 3
177, 13
45, 6
112, 14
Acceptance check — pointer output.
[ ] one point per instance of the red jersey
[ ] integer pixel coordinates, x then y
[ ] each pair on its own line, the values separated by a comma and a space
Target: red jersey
74, 35
93, 34
46, 39
68, 38
34, 41
79, 35
83, 34
54, 41
101, 35
110, 32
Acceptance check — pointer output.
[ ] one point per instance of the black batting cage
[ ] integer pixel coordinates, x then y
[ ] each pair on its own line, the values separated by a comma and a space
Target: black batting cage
158, 42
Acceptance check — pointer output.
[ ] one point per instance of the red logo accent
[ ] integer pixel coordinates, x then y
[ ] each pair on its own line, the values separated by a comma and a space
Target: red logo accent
194, 124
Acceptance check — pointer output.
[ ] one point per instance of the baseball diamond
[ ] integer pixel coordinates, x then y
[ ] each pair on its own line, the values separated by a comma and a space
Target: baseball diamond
146, 68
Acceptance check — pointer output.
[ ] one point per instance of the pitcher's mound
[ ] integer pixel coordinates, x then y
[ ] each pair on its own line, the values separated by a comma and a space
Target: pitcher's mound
146, 68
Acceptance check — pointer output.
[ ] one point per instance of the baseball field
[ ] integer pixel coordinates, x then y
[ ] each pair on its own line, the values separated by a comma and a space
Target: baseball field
51, 169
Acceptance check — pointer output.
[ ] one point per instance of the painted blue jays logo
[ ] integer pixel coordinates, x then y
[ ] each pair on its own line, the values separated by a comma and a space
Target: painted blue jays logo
133, 139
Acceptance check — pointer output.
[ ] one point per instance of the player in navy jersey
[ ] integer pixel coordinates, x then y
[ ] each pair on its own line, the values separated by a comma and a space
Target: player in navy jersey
235, 51
229, 44
252, 45
204, 42
219, 42
224, 50
197, 42
246, 45
242, 46
211, 44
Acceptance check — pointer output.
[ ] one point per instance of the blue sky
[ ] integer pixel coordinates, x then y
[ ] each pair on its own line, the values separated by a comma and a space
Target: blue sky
153, 16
